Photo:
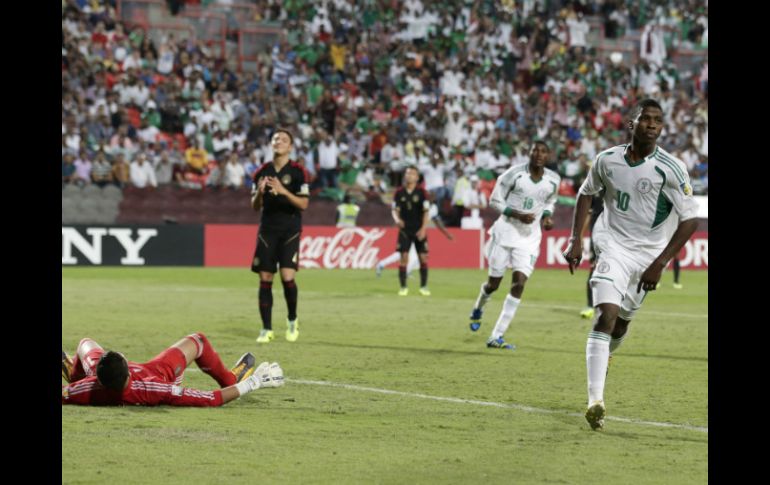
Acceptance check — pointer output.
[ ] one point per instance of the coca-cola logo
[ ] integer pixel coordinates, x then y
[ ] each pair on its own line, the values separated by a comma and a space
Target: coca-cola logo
348, 248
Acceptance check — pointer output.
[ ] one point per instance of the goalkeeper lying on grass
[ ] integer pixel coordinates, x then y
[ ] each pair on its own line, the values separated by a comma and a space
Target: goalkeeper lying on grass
101, 378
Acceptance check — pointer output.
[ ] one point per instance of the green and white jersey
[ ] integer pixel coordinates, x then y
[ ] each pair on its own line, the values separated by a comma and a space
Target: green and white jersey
516, 189
640, 198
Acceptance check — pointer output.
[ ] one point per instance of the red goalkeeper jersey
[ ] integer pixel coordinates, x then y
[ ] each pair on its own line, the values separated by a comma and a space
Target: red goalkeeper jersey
146, 388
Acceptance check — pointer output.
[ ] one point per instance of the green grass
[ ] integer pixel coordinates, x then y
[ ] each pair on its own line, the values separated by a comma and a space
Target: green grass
355, 330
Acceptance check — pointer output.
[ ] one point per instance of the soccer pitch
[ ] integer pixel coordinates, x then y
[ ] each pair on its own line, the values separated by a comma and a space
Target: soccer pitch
389, 389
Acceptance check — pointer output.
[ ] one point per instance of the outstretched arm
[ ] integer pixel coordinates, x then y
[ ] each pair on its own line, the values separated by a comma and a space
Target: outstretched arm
266, 375
441, 227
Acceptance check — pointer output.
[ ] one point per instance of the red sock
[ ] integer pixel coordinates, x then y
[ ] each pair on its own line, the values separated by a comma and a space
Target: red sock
209, 362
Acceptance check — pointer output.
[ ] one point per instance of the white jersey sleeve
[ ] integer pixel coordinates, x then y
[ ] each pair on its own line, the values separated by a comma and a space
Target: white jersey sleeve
550, 202
594, 183
505, 184
497, 200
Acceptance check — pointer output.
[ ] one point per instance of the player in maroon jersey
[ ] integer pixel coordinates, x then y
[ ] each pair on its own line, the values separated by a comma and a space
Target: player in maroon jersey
411, 204
281, 191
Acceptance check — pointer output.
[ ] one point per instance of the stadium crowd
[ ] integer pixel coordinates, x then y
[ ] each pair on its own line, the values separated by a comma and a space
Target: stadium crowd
459, 88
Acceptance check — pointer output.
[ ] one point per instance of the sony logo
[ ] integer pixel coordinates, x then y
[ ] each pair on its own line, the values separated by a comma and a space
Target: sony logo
92, 249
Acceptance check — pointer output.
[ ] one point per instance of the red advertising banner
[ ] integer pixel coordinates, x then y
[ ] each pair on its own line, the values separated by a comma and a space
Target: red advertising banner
362, 247
694, 255
333, 247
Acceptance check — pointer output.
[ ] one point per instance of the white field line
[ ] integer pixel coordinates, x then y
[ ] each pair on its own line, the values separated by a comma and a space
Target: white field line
518, 407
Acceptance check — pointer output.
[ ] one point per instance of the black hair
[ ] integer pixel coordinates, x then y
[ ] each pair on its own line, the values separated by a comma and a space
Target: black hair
283, 130
645, 103
112, 370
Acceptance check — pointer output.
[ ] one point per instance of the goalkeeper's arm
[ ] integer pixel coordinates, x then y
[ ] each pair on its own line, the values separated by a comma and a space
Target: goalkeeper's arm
266, 375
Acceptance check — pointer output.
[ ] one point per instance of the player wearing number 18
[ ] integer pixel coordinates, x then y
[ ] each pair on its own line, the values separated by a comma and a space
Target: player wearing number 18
525, 195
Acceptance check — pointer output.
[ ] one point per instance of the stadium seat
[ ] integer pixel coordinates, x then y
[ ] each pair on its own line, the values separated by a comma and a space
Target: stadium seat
71, 189
91, 191
112, 192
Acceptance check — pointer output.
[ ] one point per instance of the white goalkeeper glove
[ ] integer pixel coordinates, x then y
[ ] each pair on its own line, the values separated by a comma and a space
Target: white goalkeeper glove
265, 375
254, 381
274, 376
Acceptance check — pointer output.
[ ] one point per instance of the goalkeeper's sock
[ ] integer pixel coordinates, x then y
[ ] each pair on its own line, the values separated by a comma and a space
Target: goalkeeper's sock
209, 362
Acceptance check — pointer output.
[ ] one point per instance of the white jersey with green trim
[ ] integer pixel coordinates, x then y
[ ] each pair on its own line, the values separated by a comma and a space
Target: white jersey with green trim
516, 189
639, 198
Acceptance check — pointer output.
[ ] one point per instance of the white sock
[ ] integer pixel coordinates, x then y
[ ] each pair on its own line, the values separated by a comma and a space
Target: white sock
597, 354
483, 298
615, 342
390, 259
506, 315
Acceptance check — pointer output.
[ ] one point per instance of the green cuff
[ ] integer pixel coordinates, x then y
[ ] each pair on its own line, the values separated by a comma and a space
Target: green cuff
507, 212
546, 213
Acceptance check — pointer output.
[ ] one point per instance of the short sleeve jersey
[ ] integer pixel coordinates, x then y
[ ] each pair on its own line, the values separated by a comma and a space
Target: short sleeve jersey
411, 206
277, 211
640, 197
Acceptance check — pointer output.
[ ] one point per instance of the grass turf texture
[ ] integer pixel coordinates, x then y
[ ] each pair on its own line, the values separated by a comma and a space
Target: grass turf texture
355, 330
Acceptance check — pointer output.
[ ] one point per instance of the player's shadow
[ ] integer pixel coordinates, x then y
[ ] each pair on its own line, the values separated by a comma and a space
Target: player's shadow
621, 431
408, 349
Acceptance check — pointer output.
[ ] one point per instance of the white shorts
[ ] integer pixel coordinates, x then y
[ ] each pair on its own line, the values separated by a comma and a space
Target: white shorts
500, 258
615, 280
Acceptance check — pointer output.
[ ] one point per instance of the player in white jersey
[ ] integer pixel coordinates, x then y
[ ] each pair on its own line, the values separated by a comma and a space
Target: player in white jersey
524, 195
649, 214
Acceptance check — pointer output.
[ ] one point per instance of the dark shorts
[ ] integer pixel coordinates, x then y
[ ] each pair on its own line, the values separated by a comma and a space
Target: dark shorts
276, 248
405, 240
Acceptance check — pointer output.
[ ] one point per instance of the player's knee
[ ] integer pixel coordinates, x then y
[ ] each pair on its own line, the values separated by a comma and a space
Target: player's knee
200, 340
83, 342
266, 278
606, 319
86, 345
288, 283
621, 327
